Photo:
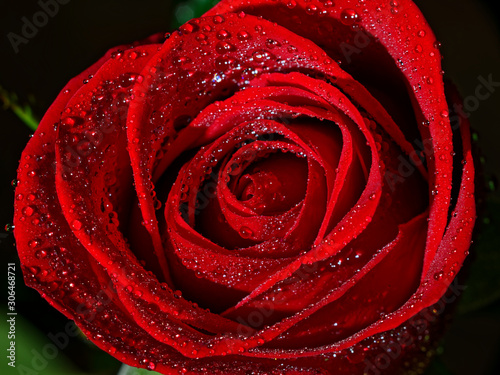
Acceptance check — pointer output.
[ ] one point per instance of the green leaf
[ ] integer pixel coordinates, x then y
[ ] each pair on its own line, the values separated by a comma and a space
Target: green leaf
189, 9
483, 282
24, 112
35, 352
127, 370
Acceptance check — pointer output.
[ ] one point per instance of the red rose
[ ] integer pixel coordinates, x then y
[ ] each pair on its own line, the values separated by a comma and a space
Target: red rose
268, 191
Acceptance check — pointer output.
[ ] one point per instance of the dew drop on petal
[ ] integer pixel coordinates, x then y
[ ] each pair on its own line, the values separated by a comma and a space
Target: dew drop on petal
243, 35
28, 211
438, 275
186, 28
40, 254
311, 9
76, 224
223, 47
246, 232
349, 17
223, 34
178, 294
219, 19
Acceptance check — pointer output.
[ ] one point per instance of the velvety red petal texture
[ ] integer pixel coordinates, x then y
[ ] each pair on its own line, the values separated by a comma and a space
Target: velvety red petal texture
267, 191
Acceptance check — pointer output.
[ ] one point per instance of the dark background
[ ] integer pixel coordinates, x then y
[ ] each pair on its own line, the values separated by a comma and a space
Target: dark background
82, 31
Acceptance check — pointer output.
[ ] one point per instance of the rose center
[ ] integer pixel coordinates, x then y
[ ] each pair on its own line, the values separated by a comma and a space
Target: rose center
272, 185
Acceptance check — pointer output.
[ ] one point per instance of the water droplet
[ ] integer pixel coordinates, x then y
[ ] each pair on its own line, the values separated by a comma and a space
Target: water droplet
53, 286
223, 34
246, 232
186, 28
76, 224
261, 56
349, 17
116, 54
219, 19
224, 47
34, 270
438, 275
271, 43
68, 121
311, 9
201, 37
40, 254
243, 35
127, 79
28, 211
